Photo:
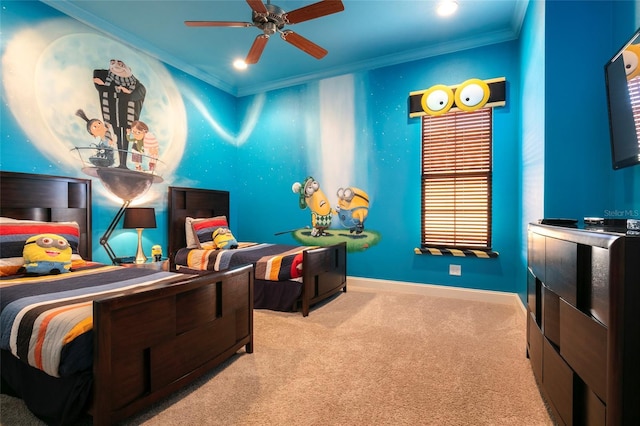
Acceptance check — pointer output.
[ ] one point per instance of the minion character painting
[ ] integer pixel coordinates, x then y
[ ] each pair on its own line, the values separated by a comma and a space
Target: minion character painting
350, 213
353, 208
313, 197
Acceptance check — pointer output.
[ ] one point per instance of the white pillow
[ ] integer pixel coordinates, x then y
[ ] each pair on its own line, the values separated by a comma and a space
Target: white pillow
192, 242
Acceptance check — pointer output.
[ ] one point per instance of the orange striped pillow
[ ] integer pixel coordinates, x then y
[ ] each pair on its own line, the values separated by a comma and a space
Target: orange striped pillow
203, 229
15, 233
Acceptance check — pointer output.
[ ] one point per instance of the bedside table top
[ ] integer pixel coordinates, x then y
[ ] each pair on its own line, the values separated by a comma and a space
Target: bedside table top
162, 265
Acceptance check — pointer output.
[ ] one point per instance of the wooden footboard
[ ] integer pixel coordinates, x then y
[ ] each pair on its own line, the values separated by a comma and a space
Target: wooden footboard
152, 343
324, 274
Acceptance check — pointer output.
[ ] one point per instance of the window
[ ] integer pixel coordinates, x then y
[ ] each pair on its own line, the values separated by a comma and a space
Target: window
456, 180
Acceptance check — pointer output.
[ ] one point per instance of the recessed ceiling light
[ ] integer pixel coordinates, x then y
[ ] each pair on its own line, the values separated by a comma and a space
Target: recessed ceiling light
447, 7
240, 64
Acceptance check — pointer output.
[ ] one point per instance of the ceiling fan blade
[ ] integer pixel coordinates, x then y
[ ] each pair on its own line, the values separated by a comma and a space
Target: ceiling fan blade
312, 11
217, 24
256, 49
257, 6
304, 44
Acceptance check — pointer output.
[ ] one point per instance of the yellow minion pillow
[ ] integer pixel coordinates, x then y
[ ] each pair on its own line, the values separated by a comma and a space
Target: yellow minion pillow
46, 254
224, 239
14, 233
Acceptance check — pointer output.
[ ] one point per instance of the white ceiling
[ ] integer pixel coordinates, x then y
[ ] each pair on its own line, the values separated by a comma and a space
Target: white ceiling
367, 34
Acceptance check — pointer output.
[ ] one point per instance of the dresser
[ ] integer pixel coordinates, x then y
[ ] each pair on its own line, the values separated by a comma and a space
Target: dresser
583, 323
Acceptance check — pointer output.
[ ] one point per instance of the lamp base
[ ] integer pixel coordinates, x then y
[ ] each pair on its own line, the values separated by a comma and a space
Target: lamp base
140, 257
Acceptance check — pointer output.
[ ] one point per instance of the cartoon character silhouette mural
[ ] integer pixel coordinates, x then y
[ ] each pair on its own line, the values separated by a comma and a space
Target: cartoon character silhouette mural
143, 141
103, 156
121, 97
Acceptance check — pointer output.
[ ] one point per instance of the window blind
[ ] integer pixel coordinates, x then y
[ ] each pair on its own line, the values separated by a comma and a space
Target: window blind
456, 179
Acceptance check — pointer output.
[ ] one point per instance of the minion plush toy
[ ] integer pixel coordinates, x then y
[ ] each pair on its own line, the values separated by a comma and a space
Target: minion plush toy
46, 254
156, 252
224, 239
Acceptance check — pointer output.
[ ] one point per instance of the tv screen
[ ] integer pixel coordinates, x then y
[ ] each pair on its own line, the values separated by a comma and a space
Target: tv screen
622, 75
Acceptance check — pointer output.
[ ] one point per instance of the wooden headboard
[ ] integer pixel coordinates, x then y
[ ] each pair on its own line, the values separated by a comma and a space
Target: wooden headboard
29, 196
196, 203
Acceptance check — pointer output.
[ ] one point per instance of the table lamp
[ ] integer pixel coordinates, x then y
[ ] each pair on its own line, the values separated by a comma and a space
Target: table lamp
139, 218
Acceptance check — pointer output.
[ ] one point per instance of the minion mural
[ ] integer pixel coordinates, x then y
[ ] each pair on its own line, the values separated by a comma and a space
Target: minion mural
351, 212
353, 208
335, 189
312, 196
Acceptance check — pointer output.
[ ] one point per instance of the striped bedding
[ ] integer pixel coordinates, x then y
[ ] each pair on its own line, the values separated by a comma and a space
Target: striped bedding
273, 262
47, 321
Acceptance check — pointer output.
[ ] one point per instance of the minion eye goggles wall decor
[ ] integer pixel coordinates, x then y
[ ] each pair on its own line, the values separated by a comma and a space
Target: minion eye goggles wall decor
468, 96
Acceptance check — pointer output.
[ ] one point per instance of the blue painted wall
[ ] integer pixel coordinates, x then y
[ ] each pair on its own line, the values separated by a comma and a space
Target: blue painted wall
532, 123
386, 163
354, 130
625, 183
579, 179
566, 163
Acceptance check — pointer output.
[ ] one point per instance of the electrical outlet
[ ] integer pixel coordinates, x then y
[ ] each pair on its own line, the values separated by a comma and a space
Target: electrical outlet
455, 270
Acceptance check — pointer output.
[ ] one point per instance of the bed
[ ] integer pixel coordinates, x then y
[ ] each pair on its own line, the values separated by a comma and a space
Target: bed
323, 268
145, 340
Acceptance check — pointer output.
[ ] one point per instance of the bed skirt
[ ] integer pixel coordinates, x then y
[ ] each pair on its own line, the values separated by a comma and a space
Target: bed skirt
54, 400
276, 295
281, 296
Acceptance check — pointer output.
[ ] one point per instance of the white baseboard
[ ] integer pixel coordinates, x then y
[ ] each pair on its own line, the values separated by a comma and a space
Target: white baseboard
369, 284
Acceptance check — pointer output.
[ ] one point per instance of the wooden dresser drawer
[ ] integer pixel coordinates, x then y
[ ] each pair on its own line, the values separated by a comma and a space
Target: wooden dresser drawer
557, 378
561, 268
535, 253
551, 315
534, 338
595, 411
583, 344
534, 303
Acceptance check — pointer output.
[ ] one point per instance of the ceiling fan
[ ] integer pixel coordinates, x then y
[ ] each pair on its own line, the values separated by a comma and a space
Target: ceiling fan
271, 19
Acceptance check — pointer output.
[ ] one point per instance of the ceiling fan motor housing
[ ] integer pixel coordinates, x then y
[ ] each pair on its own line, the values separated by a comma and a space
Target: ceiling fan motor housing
270, 22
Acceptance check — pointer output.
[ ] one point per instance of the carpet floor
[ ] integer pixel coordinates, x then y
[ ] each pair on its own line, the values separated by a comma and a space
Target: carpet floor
363, 357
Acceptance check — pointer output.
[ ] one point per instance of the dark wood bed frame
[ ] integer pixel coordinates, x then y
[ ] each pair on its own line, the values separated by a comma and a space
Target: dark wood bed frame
324, 268
153, 342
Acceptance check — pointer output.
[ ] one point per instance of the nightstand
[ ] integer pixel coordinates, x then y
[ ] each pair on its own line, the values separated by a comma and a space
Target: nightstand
162, 265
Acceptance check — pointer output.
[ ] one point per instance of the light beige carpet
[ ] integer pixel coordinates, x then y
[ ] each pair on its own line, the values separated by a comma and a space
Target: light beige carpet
365, 357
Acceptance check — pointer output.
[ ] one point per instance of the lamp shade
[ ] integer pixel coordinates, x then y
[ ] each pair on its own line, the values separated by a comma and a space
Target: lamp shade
139, 217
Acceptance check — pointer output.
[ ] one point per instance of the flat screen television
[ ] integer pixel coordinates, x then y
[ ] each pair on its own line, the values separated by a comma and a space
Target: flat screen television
622, 74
